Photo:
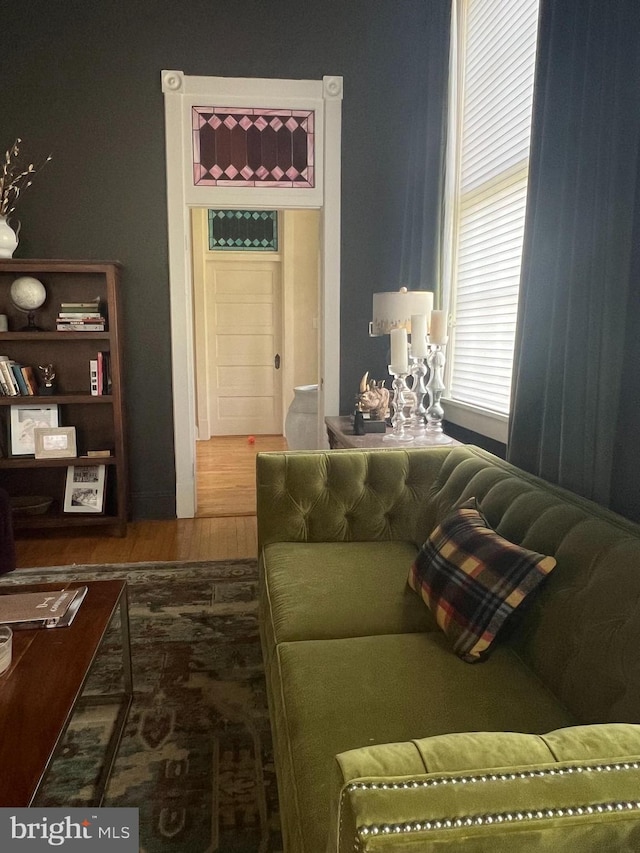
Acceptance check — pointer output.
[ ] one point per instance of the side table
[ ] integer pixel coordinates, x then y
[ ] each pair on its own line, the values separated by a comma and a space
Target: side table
341, 437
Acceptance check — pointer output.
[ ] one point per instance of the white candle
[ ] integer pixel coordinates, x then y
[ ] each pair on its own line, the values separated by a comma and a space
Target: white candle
419, 335
438, 328
399, 354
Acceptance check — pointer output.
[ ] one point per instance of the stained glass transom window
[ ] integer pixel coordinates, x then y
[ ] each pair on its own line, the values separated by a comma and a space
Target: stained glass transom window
255, 230
253, 147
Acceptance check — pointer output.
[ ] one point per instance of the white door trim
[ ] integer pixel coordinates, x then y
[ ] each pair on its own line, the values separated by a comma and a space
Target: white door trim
180, 93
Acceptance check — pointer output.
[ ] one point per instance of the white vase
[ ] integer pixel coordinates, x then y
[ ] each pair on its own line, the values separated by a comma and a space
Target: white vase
301, 422
8, 238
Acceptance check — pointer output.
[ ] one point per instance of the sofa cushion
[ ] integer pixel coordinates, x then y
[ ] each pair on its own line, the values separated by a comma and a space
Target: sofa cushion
472, 579
333, 695
320, 590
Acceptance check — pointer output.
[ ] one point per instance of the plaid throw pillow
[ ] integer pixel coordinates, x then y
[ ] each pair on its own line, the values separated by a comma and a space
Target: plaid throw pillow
472, 579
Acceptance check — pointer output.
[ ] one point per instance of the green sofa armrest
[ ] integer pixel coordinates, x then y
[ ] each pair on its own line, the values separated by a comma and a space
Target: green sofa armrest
487, 792
346, 495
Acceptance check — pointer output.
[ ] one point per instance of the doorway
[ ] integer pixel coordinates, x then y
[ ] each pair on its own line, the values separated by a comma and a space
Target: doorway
184, 96
251, 307
255, 324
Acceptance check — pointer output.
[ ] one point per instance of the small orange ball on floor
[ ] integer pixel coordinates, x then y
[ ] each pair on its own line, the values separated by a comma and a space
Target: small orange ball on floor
252, 439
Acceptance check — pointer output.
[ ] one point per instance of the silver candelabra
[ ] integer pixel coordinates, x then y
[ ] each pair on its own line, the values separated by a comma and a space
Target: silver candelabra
399, 420
417, 412
434, 434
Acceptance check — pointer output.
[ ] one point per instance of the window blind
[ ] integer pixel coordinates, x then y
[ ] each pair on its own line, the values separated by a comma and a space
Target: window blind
496, 62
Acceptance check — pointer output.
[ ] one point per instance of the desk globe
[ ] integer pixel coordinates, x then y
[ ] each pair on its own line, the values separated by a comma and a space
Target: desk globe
28, 294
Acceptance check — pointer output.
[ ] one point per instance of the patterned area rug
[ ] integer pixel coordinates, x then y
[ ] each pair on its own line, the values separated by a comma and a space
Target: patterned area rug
196, 755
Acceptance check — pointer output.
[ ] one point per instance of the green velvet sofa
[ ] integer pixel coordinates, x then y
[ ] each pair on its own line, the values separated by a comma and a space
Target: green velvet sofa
387, 741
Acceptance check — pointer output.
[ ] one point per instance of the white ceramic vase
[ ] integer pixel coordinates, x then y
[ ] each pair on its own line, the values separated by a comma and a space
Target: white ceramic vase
301, 422
8, 238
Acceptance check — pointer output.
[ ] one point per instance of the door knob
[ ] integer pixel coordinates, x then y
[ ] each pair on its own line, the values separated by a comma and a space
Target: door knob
276, 361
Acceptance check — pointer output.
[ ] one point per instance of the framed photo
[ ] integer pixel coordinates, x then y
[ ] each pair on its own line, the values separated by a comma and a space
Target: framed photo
84, 490
55, 442
22, 423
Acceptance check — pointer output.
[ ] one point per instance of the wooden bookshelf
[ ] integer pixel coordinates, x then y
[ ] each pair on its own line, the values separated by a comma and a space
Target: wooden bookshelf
98, 419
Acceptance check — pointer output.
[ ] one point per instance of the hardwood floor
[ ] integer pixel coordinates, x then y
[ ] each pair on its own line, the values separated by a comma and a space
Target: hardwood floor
226, 480
224, 529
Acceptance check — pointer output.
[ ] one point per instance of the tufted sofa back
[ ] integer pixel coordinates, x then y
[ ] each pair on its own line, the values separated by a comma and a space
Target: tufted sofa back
581, 635
345, 495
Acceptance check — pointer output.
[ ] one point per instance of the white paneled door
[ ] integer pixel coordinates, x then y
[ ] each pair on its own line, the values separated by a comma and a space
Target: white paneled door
243, 334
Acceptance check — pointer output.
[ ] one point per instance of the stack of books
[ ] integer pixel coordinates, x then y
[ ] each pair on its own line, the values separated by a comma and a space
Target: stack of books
16, 379
80, 317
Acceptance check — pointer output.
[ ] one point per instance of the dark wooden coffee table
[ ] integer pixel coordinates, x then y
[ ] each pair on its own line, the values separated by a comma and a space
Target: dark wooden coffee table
44, 685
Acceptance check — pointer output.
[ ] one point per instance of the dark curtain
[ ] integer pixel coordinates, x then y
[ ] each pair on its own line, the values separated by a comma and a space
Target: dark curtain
422, 226
625, 480
571, 414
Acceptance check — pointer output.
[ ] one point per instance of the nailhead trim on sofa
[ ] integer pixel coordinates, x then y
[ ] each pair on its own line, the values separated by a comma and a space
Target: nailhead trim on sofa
363, 832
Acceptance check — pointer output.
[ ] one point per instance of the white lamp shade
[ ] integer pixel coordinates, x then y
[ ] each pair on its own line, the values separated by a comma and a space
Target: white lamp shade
393, 310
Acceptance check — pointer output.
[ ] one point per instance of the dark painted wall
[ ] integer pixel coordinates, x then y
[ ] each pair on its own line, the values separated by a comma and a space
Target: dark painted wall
468, 436
82, 81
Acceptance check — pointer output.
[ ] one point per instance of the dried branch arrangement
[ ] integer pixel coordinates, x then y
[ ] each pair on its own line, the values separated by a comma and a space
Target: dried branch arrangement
15, 177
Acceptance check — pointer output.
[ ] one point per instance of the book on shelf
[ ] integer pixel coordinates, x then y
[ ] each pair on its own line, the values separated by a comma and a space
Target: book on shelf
30, 378
55, 608
100, 372
8, 367
17, 375
71, 326
92, 306
104, 372
7, 382
84, 326
93, 376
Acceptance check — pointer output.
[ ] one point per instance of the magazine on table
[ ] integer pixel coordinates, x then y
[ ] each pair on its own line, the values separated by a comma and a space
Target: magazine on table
55, 608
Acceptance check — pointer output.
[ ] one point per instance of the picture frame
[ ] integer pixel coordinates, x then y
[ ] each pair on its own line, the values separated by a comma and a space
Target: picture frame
85, 488
23, 420
55, 442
